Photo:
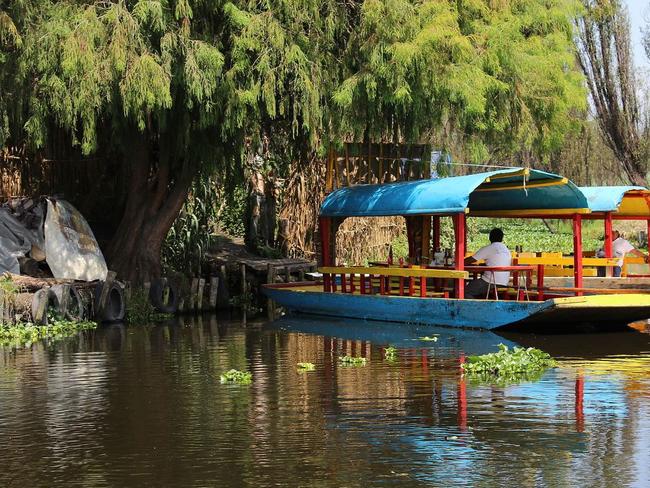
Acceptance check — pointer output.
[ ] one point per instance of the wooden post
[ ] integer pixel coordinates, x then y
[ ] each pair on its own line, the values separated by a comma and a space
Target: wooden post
347, 163
324, 225
540, 282
242, 270
301, 274
330, 172
199, 295
287, 274
459, 231
369, 163
193, 288
381, 163
577, 252
270, 279
214, 291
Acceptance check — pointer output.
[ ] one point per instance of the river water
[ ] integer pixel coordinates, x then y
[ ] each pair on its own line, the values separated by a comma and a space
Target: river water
143, 406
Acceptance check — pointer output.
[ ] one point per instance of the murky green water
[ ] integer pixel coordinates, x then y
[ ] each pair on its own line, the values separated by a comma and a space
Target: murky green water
143, 406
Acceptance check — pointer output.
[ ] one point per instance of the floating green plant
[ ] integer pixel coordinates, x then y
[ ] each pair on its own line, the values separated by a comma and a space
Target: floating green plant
304, 367
353, 361
235, 376
24, 334
428, 338
390, 353
508, 366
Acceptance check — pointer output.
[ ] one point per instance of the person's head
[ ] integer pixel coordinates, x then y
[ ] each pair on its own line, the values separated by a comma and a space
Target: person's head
616, 234
496, 235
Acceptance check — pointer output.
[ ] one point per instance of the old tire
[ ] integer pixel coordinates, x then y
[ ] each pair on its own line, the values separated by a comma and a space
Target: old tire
44, 301
115, 309
163, 295
71, 304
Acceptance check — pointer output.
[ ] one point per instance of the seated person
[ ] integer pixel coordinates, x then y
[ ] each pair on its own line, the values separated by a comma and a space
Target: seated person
621, 247
495, 254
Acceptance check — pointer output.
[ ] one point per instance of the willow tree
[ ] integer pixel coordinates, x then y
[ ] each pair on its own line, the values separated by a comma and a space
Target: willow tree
499, 74
171, 87
167, 86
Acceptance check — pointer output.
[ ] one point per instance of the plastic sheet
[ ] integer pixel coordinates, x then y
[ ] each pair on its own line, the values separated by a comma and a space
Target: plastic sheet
70, 246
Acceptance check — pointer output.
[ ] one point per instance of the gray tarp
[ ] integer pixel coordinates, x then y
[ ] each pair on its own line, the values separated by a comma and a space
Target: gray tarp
70, 246
15, 241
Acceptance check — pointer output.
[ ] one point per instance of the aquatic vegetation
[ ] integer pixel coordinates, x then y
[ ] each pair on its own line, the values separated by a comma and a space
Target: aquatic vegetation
25, 334
238, 377
390, 353
353, 361
427, 338
304, 367
508, 366
139, 309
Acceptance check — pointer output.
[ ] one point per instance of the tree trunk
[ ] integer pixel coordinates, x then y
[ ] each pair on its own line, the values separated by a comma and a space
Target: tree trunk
155, 197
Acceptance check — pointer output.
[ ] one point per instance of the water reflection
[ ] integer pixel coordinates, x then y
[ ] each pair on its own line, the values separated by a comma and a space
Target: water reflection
143, 406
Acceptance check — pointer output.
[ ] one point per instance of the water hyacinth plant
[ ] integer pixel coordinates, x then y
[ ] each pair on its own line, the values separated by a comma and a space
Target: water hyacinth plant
237, 377
508, 366
352, 361
304, 367
390, 353
22, 335
428, 339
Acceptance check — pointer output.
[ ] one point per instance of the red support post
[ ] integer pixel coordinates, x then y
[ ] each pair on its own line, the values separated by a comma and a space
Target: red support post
462, 397
423, 287
362, 284
579, 404
344, 288
324, 228
540, 282
577, 252
459, 231
382, 288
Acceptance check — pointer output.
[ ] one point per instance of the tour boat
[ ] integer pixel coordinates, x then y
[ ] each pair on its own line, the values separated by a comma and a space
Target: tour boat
423, 294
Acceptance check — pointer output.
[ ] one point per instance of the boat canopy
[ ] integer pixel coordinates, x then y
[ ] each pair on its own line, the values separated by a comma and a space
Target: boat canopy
622, 200
514, 192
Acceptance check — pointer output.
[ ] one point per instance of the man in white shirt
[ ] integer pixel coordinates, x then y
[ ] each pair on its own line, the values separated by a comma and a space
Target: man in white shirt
621, 247
495, 254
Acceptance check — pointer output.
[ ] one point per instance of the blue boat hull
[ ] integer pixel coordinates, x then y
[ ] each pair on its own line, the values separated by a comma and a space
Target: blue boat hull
480, 314
601, 311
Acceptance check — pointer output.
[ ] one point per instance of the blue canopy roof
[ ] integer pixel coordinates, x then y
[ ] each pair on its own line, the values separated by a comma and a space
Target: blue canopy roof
606, 198
508, 190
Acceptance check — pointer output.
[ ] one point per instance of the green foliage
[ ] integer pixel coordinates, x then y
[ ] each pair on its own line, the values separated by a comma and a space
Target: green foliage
390, 353
246, 301
352, 361
193, 231
238, 377
8, 287
304, 367
23, 335
139, 309
507, 366
534, 236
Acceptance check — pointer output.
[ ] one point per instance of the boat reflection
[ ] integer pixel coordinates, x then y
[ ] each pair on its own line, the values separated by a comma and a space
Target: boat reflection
450, 342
